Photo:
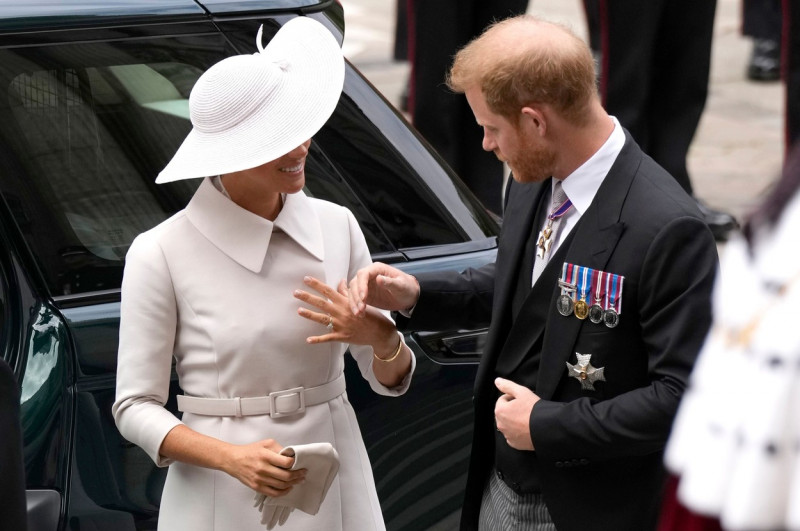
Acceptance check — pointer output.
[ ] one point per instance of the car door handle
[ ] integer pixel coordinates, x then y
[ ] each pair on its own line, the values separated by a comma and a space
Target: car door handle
452, 347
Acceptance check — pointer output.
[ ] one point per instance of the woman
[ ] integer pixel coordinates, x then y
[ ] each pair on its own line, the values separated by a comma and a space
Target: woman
735, 445
218, 286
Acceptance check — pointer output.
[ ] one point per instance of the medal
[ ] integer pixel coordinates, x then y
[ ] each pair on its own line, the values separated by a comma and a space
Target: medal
596, 310
564, 303
611, 318
613, 300
585, 373
581, 308
544, 242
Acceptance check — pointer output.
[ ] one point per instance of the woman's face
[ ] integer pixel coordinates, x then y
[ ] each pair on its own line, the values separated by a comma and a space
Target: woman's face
284, 175
288, 173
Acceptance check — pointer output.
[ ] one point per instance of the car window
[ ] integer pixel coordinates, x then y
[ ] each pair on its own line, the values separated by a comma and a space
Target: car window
88, 126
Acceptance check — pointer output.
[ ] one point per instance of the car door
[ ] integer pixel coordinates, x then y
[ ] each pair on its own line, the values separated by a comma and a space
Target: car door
92, 116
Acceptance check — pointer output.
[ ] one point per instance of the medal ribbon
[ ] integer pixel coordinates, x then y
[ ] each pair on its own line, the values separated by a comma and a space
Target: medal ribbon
560, 210
570, 274
614, 296
597, 284
584, 287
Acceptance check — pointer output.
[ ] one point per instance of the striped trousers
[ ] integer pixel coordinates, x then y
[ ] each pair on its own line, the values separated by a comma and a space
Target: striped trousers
502, 509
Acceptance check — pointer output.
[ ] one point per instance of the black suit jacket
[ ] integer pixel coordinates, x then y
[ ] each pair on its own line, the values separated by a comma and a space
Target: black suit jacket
13, 513
598, 453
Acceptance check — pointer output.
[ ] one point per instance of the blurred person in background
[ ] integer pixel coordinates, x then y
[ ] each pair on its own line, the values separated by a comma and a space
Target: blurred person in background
437, 29
735, 445
655, 59
761, 20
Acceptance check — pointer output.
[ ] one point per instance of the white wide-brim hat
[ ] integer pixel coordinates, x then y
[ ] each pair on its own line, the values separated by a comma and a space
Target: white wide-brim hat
248, 110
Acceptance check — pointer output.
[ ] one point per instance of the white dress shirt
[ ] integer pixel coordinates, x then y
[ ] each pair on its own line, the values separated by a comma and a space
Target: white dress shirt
581, 185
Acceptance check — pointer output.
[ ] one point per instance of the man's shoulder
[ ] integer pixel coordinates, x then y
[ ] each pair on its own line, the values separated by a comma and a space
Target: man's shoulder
656, 193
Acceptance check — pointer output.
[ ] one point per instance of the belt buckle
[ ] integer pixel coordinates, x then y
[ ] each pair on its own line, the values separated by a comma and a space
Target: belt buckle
273, 402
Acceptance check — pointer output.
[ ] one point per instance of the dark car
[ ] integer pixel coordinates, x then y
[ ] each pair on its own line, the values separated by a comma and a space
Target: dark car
93, 103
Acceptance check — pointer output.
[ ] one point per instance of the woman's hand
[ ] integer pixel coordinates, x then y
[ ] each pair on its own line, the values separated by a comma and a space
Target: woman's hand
259, 466
374, 329
371, 327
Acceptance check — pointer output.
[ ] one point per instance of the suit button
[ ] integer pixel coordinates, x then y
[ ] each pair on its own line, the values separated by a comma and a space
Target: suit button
559, 464
568, 464
515, 486
584, 461
576, 462
500, 475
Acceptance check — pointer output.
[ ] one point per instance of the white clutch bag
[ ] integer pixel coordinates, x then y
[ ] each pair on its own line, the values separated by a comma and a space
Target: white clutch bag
322, 464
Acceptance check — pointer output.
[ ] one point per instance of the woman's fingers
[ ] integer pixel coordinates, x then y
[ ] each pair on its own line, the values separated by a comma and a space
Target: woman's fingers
322, 288
321, 318
261, 467
313, 300
343, 290
276, 481
334, 309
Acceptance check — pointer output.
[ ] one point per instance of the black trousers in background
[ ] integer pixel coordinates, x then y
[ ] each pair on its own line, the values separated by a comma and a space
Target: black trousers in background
761, 19
791, 69
437, 29
656, 57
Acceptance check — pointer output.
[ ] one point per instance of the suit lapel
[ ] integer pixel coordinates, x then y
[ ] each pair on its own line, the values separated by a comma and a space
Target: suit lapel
521, 212
518, 223
530, 322
596, 236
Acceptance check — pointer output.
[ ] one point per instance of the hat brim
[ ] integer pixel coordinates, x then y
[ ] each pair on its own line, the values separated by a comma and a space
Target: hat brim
298, 107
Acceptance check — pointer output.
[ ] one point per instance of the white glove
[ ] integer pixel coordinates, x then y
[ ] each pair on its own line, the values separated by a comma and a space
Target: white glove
272, 515
321, 462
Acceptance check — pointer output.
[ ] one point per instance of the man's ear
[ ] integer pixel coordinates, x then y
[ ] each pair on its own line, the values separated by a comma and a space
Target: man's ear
534, 119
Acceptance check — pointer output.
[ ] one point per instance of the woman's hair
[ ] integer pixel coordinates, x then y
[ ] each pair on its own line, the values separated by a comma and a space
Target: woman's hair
523, 60
770, 210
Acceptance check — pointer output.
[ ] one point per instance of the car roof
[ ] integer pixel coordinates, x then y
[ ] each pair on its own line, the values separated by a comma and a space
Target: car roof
39, 14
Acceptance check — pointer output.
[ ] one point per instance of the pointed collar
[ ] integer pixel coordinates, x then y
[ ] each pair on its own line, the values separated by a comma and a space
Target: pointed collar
581, 185
244, 236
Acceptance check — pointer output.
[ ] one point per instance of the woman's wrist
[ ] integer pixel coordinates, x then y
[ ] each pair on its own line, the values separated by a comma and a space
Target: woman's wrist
394, 353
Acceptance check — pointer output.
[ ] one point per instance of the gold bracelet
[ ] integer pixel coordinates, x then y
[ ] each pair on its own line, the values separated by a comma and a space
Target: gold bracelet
394, 354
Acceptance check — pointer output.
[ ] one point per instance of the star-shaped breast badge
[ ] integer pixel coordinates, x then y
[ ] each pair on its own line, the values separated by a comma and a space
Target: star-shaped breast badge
584, 372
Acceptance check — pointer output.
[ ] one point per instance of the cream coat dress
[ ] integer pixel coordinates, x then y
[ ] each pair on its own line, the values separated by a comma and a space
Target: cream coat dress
211, 288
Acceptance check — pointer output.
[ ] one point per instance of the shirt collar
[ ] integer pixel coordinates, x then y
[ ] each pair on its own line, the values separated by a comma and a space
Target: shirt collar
582, 184
245, 236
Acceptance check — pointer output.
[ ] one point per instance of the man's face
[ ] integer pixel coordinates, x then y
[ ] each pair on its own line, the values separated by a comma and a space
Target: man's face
528, 156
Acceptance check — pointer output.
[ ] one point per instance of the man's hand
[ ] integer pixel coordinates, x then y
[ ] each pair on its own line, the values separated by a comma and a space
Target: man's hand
384, 287
512, 413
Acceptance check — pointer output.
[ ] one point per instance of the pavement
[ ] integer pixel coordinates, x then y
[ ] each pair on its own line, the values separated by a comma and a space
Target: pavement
738, 148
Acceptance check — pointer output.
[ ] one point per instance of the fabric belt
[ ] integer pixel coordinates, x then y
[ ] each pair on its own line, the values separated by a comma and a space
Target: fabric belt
276, 404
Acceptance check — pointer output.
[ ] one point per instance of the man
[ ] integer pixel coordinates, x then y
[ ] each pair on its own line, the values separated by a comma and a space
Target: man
571, 414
